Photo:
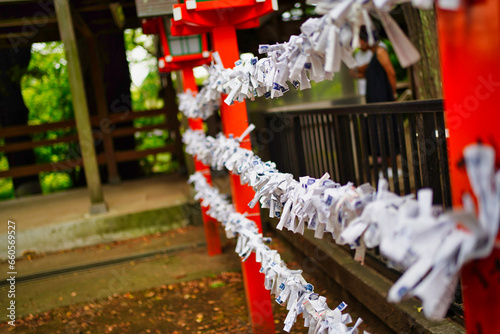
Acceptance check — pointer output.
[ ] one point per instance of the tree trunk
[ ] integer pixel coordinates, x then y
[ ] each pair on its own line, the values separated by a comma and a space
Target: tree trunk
426, 74
13, 111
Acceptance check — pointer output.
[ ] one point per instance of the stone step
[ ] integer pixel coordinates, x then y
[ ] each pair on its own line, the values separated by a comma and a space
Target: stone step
54, 222
98, 272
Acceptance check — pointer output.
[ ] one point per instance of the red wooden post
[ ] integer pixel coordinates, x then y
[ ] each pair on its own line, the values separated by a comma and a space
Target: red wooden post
235, 121
210, 225
185, 63
469, 42
222, 18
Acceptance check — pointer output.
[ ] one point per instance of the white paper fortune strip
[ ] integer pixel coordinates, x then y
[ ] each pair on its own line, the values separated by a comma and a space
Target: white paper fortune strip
288, 286
315, 54
430, 245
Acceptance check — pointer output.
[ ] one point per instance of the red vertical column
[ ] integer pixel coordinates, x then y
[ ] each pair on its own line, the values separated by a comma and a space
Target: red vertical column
469, 41
235, 121
210, 225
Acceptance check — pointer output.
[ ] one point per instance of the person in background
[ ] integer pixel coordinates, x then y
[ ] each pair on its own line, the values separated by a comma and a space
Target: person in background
380, 87
379, 73
363, 56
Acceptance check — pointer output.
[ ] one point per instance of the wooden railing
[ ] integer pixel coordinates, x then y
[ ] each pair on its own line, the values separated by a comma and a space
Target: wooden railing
103, 127
403, 142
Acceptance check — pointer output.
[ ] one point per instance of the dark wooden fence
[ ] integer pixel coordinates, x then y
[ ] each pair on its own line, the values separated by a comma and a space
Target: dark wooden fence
403, 142
103, 126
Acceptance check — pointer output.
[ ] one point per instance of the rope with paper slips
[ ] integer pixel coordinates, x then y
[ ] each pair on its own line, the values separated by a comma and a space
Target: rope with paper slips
315, 54
430, 245
288, 286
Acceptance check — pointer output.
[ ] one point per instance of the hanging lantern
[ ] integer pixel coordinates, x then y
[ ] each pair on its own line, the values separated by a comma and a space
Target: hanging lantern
177, 52
154, 8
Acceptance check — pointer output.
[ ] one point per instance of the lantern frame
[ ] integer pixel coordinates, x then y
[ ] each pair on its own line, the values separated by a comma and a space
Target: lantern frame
168, 62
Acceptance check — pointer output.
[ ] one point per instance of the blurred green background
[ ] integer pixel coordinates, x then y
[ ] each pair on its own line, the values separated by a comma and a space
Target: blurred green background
46, 92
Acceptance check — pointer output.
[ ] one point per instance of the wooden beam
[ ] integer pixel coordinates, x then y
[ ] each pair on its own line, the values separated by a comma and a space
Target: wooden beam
67, 165
149, 128
26, 35
12, 37
19, 22
80, 24
20, 130
135, 155
19, 1
131, 115
171, 118
26, 145
102, 109
104, 7
80, 106
115, 133
99, 93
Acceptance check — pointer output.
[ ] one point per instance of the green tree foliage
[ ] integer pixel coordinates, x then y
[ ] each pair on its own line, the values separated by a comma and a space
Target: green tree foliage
47, 95
141, 55
45, 87
6, 186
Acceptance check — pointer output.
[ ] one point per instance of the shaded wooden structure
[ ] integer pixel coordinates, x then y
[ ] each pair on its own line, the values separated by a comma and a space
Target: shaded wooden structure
88, 29
92, 32
409, 139
95, 121
85, 17
23, 22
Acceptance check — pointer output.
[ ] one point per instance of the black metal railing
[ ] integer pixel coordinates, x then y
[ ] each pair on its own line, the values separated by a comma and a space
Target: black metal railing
403, 142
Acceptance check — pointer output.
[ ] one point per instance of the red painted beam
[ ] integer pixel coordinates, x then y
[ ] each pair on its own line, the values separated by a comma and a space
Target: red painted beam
210, 225
222, 18
218, 13
469, 41
234, 122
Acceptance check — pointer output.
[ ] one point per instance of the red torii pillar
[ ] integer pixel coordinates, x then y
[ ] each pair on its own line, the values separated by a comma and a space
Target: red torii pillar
469, 41
186, 63
222, 18
210, 225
